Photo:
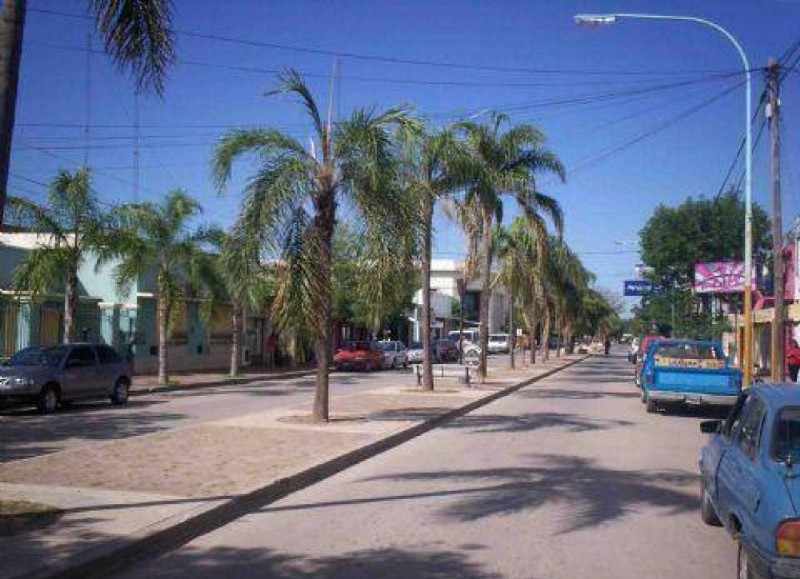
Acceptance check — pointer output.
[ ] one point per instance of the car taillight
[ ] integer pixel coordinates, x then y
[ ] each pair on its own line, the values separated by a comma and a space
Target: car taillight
787, 538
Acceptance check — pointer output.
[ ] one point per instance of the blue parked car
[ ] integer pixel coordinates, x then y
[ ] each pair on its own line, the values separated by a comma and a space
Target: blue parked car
692, 372
751, 480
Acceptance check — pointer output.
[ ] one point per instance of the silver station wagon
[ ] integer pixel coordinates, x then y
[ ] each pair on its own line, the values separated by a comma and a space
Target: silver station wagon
51, 376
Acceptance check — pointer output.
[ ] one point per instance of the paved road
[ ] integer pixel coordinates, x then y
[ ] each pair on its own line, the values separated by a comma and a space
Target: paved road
568, 478
25, 433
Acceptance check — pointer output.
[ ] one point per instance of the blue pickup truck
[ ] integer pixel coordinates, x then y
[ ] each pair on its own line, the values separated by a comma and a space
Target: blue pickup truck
692, 372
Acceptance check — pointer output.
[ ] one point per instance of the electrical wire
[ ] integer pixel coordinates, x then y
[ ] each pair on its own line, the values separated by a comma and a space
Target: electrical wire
377, 58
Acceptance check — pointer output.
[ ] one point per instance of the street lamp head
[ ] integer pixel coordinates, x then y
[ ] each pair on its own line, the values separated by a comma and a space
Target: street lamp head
594, 19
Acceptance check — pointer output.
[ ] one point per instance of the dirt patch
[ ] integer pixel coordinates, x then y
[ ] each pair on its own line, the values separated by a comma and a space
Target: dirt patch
204, 461
308, 419
434, 391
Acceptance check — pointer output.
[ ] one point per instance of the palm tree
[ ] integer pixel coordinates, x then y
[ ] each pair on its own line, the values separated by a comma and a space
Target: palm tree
137, 35
506, 164
565, 281
291, 202
436, 166
71, 225
236, 276
158, 239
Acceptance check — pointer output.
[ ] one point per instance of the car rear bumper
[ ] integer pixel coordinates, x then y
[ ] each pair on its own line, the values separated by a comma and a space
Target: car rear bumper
692, 397
769, 566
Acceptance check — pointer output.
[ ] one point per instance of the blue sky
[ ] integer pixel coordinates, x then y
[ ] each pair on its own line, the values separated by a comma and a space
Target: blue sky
641, 113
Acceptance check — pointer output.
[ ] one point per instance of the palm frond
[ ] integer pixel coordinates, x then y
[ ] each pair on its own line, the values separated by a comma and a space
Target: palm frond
292, 82
265, 143
138, 35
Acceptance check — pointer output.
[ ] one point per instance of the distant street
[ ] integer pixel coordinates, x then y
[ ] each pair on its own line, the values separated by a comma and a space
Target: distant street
568, 478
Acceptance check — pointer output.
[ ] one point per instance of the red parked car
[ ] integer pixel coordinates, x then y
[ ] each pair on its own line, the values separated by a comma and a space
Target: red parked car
359, 355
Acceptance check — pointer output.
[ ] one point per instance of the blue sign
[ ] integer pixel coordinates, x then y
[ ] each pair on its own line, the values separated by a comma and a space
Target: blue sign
637, 287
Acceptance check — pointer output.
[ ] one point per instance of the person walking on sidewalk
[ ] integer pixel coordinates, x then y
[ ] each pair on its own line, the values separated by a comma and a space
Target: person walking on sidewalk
607, 345
793, 359
270, 346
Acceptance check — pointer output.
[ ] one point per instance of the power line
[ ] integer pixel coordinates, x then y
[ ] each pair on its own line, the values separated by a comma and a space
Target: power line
379, 58
369, 79
583, 165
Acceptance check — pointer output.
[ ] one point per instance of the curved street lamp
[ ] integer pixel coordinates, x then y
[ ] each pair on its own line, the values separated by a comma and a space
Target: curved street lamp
606, 19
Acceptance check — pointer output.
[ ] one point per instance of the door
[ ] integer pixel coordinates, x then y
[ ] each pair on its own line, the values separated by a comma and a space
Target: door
739, 491
50, 327
109, 368
80, 376
712, 453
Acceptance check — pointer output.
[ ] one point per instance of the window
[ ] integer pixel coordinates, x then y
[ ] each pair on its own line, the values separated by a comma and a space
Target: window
749, 430
732, 421
81, 356
786, 441
107, 355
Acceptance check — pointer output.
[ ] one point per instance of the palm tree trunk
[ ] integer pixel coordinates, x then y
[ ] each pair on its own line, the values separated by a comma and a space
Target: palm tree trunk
486, 289
163, 319
427, 353
324, 222
12, 26
70, 307
532, 329
511, 331
546, 335
235, 337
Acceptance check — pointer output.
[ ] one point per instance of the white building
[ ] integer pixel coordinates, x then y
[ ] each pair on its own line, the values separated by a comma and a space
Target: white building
445, 276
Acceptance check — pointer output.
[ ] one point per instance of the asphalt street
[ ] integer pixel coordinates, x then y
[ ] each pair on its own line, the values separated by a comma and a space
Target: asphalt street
568, 478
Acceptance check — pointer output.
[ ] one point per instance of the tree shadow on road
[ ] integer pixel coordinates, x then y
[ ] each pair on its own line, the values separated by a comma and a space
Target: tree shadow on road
590, 495
28, 433
483, 423
576, 394
387, 563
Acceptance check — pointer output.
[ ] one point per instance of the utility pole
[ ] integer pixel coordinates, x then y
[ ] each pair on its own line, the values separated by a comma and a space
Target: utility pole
777, 361
12, 25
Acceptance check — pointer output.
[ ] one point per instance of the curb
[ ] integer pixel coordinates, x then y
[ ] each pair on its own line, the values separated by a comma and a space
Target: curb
222, 382
180, 529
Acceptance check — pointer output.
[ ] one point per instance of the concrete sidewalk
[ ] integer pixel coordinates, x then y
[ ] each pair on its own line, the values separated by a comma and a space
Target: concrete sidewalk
149, 493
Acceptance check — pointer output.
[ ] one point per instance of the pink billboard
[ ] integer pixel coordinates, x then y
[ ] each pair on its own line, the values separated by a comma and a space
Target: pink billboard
719, 277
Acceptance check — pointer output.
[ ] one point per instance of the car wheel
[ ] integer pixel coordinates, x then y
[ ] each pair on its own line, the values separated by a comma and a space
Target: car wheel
119, 396
744, 570
48, 400
707, 512
651, 406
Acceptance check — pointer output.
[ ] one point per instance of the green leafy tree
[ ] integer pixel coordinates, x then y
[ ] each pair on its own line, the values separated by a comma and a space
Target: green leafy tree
290, 205
71, 225
505, 163
159, 239
674, 239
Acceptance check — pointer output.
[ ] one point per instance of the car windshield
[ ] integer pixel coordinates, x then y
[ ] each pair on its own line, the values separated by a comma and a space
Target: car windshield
786, 440
352, 346
38, 357
416, 346
497, 337
386, 345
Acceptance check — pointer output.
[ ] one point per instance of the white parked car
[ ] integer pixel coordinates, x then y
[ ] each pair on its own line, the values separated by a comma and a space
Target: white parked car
394, 354
498, 344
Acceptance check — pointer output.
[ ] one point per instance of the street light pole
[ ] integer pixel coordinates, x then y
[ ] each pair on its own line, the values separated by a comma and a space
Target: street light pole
605, 19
